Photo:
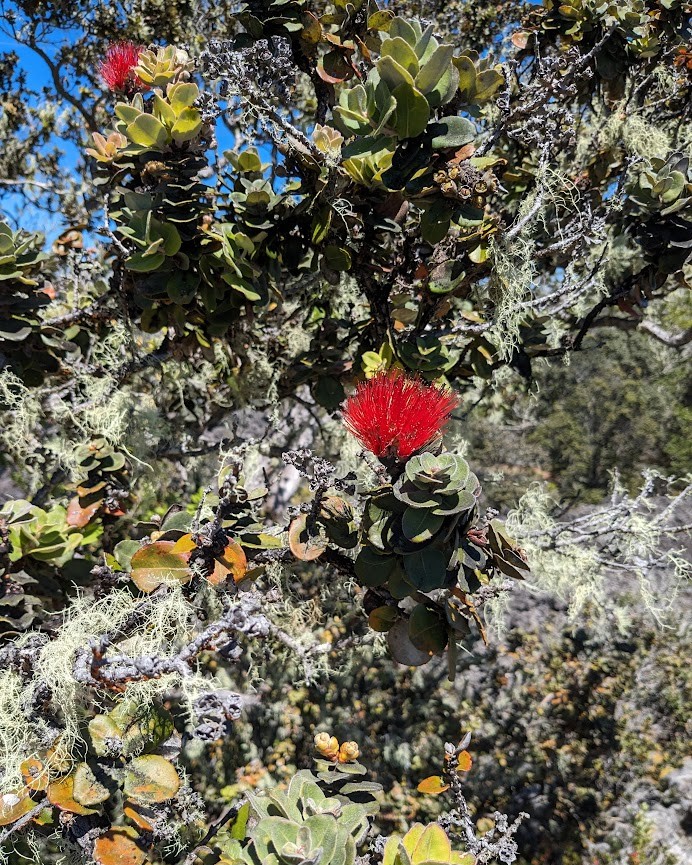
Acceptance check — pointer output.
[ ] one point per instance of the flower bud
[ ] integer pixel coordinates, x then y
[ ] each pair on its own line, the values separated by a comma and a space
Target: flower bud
328, 746
348, 752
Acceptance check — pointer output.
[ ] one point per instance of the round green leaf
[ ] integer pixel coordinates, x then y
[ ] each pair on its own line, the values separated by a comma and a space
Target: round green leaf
86, 789
420, 525
373, 569
426, 569
452, 132
402, 649
382, 618
427, 630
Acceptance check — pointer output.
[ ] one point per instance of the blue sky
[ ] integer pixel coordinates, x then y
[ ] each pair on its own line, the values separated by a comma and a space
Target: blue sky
38, 77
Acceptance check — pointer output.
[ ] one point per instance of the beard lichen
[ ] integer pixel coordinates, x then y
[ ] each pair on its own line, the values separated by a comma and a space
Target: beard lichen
162, 627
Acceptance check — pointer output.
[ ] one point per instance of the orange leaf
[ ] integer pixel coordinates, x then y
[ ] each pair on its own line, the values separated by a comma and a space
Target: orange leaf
303, 546
333, 68
60, 794
77, 516
434, 785
157, 563
233, 562
184, 545
87, 491
35, 774
465, 761
117, 847
139, 814
520, 39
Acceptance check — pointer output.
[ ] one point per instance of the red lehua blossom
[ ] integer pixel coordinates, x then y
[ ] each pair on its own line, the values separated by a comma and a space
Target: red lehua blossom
116, 70
396, 415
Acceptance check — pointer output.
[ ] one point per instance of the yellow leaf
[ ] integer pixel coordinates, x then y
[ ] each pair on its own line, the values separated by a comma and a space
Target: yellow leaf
184, 545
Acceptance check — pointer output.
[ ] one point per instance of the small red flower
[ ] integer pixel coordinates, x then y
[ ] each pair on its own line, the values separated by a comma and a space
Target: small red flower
393, 414
116, 69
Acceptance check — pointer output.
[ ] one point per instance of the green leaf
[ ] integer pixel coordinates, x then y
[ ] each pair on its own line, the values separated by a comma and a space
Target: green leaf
126, 113
144, 728
382, 618
142, 263
86, 789
373, 569
155, 564
147, 131
393, 74
163, 111
400, 28
400, 51
328, 392
412, 111
337, 258
182, 96
426, 569
249, 161
487, 85
429, 76
124, 551
433, 846
381, 21
467, 77
239, 827
402, 649
419, 524
103, 730
169, 234
399, 586
452, 132
427, 630
187, 125
321, 224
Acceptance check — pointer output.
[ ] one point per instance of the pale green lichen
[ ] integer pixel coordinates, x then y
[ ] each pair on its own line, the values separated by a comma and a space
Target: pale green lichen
167, 623
574, 562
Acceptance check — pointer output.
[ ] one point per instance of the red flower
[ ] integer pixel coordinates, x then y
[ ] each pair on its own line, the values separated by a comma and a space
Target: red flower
116, 70
396, 415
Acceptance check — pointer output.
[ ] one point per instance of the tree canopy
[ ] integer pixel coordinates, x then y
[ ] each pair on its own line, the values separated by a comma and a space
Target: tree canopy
274, 276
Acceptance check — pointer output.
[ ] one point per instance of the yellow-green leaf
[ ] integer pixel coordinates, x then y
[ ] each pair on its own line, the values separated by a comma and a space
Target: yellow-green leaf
182, 96
14, 805
433, 846
187, 125
147, 131
61, 794
86, 789
151, 779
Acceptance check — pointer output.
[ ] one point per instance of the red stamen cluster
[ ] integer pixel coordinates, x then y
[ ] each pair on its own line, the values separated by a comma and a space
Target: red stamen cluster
396, 415
116, 69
